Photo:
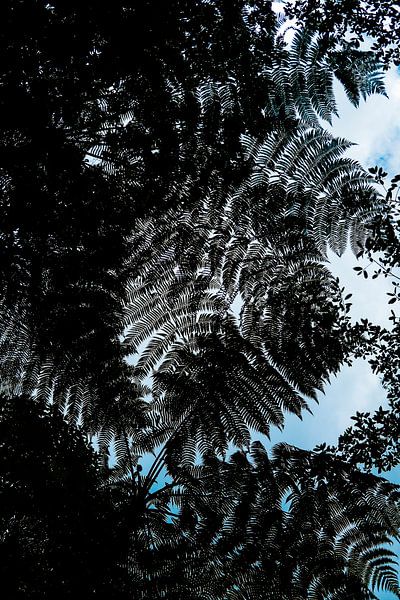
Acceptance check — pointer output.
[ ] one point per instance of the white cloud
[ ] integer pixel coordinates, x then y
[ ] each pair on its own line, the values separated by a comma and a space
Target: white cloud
369, 300
374, 126
277, 6
354, 389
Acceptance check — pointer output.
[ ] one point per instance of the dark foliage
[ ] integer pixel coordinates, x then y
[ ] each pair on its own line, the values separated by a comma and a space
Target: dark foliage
347, 23
103, 121
60, 536
292, 525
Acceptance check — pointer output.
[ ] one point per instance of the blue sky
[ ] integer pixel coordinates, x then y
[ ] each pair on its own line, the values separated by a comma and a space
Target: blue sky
375, 127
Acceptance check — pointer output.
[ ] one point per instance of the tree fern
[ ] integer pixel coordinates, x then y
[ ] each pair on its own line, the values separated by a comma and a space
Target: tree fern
282, 526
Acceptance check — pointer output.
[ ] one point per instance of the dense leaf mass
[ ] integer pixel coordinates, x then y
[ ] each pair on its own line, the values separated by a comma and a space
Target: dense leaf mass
350, 22
169, 192
59, 532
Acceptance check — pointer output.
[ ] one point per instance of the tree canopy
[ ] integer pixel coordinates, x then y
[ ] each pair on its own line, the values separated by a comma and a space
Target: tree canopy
169, 192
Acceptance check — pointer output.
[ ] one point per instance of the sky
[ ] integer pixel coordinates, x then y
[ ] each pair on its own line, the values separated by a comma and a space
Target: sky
375, 127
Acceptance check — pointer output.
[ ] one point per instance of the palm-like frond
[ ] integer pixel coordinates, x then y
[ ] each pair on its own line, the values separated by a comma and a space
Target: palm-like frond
260, 243
302, 78
218, 391
229, 171
293, 525
359, 72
